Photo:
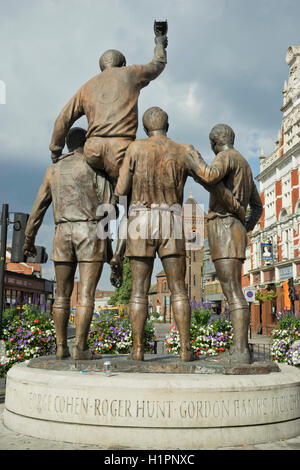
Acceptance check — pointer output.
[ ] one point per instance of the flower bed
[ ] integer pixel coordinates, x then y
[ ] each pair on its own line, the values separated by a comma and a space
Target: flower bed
210, 339
110, 335
27, 336
283, 349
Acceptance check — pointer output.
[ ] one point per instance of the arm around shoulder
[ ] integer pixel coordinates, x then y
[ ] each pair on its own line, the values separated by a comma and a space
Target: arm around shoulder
256, 209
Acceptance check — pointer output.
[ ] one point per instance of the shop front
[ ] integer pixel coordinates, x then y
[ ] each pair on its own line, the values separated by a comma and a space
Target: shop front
20, 289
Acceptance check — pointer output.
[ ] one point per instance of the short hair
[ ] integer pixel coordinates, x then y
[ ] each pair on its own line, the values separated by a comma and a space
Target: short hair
111, 58
76, 138
222, 134
155, 119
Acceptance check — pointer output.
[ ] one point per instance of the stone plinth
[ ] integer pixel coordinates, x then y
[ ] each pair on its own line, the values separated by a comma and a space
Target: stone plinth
154, 364
153, 410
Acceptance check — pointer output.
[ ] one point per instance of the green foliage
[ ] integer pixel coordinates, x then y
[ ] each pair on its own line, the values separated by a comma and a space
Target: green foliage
221, 324
286, 320
122, 294
8, 315
284, 348
155, 316
28, 312
206, 340
258, 296
268, 295
27, 335
201, 316
111, 335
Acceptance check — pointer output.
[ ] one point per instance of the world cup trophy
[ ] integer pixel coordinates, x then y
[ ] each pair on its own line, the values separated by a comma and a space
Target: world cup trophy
160, 30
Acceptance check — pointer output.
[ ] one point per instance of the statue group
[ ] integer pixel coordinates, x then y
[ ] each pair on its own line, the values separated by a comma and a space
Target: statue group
106, 165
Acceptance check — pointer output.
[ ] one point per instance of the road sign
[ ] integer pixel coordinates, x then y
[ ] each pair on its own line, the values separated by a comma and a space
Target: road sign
249, 293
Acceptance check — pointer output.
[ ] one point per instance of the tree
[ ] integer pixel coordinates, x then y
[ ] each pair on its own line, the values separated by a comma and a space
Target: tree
122, 294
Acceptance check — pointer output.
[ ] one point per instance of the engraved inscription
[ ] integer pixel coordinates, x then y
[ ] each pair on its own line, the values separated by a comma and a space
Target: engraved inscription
71, 405
186, 410
114, 408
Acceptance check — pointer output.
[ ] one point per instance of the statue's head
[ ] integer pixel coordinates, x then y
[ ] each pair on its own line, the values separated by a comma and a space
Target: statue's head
155, 119
76, 138
221, 136
111, 58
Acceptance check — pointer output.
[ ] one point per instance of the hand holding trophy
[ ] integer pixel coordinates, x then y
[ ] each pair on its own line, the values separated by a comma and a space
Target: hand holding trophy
160, 31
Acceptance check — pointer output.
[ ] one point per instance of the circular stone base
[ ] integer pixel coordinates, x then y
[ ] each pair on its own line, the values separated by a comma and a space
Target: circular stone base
153, 410
153, 364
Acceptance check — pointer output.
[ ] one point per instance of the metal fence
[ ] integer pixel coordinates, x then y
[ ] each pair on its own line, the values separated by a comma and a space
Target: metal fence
260, 352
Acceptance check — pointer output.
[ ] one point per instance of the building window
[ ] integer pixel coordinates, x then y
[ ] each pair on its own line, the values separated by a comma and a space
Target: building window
285, 244
283, 214
286, 192
269, 203
194, 280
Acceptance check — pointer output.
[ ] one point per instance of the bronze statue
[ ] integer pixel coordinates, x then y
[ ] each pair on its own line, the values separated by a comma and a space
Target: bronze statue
227, 235
154, 171
110, 103
75, 191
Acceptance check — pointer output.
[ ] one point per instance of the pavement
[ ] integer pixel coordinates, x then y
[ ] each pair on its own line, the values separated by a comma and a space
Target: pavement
13, 441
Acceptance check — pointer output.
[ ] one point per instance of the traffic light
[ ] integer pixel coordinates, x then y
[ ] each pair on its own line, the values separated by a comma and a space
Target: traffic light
40, 257
18, 238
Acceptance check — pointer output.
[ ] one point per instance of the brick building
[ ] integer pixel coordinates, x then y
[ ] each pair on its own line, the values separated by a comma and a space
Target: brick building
23, 284
212, 291
273, 250
159, 297
22, 268
195, 230
101, 297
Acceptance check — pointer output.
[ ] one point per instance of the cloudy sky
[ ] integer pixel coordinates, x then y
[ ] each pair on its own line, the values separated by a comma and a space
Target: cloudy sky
226, 63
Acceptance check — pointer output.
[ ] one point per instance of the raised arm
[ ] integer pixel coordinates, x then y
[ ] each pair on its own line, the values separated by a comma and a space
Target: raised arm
39, 208
146, 73
72, 111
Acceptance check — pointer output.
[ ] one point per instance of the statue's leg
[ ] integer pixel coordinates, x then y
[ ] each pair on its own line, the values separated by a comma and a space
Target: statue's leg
107, 155
229, 275
116, 262
175, 267
61, 309
141, 269
90, 273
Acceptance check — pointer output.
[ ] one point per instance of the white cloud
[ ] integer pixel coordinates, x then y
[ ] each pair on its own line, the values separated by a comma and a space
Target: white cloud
226, 63
52, 48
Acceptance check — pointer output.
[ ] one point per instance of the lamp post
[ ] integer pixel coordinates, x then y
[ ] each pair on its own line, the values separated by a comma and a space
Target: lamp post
4, 223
